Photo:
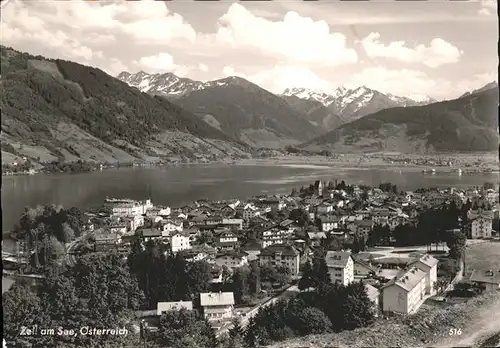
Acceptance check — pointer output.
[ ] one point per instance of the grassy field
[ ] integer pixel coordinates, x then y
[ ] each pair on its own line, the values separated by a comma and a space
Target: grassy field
482, 256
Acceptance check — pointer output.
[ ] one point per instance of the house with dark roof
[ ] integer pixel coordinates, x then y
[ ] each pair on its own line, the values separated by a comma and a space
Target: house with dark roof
340, 266
328, 222
148, 234
281, 255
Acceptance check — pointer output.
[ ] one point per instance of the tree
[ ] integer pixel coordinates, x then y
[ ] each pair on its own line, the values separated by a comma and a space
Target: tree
240, 284
198, 277
313, 321
184, 328
254, 279
364, 195
306, 281
205, 237
22, 307
320, 275
300, 216
236, 335
358, 244
356, 307
456, 241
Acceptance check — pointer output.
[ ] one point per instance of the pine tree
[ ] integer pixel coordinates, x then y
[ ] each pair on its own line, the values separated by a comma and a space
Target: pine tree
306, 281
320, 275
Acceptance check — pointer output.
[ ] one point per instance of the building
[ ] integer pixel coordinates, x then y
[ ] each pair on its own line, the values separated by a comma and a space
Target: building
170, 226
281, 255
363, 227
127, 207
405, 293
164, 307
148, 234
329, 222
232, 259
318, 187
217, 306
179, 241
490, 279
249, 212
428, 264
481, 224
232, 223
340, 267
315, 238
272, 236
324, 208
363, 268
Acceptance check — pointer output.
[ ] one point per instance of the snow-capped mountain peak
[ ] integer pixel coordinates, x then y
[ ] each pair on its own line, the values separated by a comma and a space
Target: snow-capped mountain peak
353, 103
162, 84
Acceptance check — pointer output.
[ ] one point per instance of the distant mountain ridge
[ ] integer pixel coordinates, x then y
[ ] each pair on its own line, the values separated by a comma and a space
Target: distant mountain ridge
465, 124
160, 84
56, 109
490, 85
249, 113
235, 106
350, 104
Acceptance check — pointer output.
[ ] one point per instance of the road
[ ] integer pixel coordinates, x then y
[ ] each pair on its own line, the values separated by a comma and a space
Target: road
70, 258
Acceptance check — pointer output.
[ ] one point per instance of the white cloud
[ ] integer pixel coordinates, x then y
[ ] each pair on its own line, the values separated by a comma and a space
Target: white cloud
203, 67
294, 39
279, 78
161, 63
488, 7
407, 82
438, 53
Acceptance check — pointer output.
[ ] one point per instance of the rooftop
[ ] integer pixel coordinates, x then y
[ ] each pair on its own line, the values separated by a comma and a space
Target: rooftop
217, 299
407, 280
337, 258
490, 276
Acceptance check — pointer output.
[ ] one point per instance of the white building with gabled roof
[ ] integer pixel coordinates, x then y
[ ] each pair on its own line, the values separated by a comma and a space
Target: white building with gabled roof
405, 293
217, 305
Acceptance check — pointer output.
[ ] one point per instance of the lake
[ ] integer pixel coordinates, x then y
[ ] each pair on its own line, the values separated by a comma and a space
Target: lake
175, 186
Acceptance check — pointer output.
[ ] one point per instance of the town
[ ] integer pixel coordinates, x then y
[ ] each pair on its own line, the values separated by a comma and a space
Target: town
232, 260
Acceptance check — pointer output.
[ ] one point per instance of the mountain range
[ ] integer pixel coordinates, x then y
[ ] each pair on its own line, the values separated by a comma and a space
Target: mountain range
347, 104
321, 109
55, 109
235, 106
465, 124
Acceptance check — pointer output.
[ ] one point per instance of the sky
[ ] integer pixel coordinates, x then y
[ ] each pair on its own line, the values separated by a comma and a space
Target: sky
436, 48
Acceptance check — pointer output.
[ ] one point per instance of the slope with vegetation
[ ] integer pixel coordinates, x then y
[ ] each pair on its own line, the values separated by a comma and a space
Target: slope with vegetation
249, 113
59, 109
429, 327
466, 124
315, 112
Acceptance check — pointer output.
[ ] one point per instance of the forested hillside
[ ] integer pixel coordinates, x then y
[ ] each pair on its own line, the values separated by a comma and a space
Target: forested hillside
62, 109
